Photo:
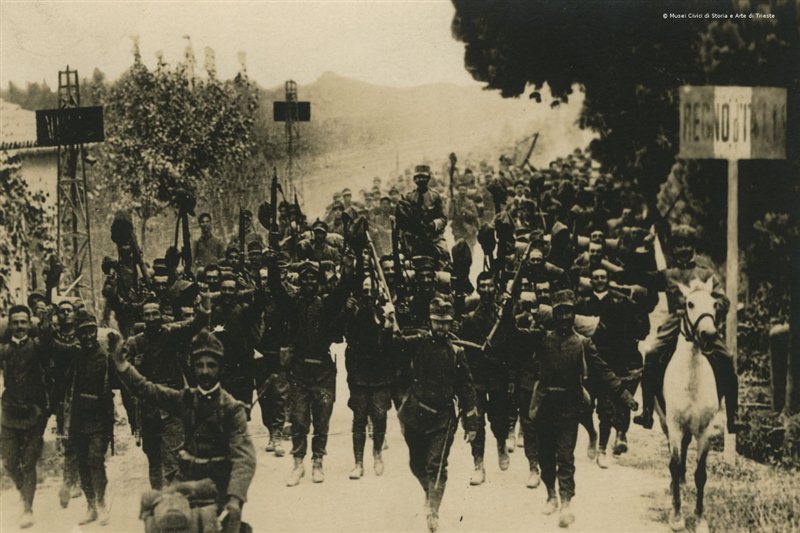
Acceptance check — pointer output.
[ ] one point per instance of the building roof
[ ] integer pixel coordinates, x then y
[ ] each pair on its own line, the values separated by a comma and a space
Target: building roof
17, 127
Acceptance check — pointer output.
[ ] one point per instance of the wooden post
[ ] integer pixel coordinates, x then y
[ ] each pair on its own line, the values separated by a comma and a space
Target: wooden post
732, 282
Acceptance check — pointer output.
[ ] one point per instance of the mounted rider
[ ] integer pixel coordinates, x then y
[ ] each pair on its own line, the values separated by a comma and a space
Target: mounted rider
683, 242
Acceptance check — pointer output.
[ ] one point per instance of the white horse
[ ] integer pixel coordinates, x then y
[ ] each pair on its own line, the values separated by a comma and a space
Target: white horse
690, 397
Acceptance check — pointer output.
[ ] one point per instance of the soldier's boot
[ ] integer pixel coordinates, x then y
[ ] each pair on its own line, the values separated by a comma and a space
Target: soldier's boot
534, 478
602, 459
511, 442
479, 474
502, 456
64, 495
551, 505
520, 438
75, 491
26, 520
378, 463
271, 444
620, 443
358, 471
297, 473
279, 451
591, 449
433, 521
317, 475
649, 387
565, 516
90, 516
103, 515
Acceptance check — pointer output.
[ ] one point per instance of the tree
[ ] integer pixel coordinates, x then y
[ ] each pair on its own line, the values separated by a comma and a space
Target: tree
26, 235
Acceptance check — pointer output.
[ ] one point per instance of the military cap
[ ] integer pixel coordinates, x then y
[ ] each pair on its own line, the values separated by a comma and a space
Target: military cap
319, 225
385, 198
394, 190
254, 246
440, 309
85, 320
422, 171
227, 275
346, 191
423, 262
231, 249
206, 343
564, 297
19, 308
684, 233
337, 205
308, 267
35, 296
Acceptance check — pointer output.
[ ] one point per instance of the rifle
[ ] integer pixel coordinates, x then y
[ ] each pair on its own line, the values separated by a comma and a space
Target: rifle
398, 265
453, 161
514, 286
530, 152
273, 199
383, 285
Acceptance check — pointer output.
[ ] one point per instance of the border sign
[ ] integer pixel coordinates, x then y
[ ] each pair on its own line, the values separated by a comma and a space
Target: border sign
72, 125
732, 122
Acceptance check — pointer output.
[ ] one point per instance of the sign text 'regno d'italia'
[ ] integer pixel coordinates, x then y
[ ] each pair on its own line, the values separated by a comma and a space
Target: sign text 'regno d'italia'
732, 122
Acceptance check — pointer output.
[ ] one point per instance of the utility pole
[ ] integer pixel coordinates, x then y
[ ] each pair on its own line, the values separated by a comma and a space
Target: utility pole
68, 128
291, 111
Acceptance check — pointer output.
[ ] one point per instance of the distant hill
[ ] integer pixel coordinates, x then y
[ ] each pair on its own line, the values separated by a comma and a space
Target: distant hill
368, 130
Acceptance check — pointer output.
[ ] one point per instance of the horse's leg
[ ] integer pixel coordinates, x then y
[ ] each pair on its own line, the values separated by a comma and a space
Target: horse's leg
676, 522
700, 477
687, 438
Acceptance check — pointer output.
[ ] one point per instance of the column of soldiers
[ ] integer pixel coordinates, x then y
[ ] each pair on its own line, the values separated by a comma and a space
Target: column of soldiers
548, 334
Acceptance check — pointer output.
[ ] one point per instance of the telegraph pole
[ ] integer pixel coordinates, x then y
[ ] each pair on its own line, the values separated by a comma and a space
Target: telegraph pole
291, 111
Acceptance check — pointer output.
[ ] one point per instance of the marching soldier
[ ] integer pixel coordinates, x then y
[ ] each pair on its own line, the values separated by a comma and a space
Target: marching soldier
216, 444
311, 369
439, 373
566, 360
420, 214
89, 415
685, 270
490, 373
24, 363
622, 325
153, 352
369, 375
318, 249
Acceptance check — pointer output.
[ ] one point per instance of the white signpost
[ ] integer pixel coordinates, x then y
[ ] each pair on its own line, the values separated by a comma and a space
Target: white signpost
733, 123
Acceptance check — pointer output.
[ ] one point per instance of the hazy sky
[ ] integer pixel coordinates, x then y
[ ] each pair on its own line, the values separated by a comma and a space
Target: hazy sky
399, 43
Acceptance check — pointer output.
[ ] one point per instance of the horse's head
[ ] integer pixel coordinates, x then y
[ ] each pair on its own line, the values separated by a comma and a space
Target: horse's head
700, 310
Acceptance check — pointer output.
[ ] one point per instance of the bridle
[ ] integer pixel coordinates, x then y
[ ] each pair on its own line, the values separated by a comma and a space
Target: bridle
689, 329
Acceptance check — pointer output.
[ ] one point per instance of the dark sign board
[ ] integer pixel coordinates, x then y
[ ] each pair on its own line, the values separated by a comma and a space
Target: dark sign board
302, 111
72, 125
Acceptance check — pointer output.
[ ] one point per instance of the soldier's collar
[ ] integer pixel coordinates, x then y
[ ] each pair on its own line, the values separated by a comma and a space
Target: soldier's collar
208, 393
19, 342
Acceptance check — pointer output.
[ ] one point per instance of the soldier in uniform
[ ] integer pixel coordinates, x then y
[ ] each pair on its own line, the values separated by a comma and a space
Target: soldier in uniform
369, 375
318, 249
489, 369
465, 216
89, 415
381, 226
420, 214
207, 248
153, 352
566, 360
622, 325
217, 444
439, 373
312, 372
24, 363
64, 343
656, 360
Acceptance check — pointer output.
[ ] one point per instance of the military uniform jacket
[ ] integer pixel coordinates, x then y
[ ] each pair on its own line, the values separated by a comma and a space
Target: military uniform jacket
439, 373
417, 209
24, 366
89, 400
488, 372
236, 326
215, 426
566, 364
622, 325
367, 360
207, 250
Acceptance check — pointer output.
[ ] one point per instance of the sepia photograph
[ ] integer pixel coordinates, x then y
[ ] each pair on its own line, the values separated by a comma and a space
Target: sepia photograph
390, 266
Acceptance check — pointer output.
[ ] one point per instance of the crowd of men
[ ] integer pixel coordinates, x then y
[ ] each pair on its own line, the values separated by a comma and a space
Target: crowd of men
545, 335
